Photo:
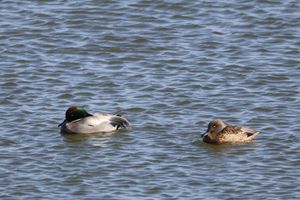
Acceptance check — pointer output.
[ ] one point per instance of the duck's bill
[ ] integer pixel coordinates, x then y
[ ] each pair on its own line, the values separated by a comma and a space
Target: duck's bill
62, 123
204, 134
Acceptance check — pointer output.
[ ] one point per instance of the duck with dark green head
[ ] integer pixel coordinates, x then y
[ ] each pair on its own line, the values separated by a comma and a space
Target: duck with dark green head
78, 120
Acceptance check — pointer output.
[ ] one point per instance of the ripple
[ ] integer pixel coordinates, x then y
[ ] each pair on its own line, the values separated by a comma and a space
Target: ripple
170, 67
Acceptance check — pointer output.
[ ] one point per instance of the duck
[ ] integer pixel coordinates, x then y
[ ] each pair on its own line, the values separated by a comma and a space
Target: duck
79, 121
220, 133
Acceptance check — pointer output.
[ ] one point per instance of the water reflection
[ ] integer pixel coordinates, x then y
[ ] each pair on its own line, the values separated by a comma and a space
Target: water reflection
97, 139
225, 148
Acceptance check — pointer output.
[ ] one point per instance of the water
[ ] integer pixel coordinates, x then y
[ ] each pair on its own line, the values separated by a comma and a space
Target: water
170, 67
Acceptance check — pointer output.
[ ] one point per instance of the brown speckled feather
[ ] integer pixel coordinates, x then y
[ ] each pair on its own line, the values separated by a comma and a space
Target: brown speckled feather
231, 130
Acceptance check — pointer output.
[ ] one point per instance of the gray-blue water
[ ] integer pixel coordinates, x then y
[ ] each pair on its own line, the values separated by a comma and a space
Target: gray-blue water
171, 67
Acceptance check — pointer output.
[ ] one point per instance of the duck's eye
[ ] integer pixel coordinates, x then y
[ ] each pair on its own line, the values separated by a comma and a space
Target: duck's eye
214, 126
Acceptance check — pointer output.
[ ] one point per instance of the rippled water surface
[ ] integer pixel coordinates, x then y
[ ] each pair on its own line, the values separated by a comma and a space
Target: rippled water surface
170, 67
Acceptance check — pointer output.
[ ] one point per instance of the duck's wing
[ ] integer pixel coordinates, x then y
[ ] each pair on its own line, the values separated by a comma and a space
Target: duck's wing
98, 122
239, 130
231, 130
236, 134
96, 119
107, 122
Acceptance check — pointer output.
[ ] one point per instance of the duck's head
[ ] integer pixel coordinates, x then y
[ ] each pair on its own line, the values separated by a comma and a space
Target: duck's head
74, 113
213, 129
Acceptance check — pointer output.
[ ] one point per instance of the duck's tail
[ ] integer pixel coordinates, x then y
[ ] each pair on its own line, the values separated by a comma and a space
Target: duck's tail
119, 123
251, 134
